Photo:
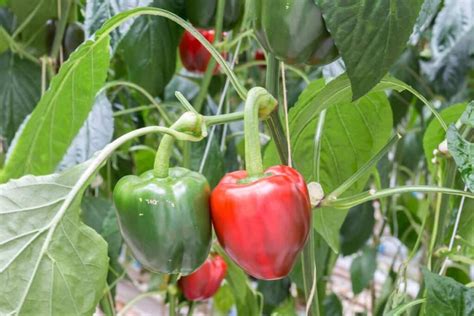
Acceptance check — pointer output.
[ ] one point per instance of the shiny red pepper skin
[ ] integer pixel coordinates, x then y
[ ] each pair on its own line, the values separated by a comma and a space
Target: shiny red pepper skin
205, 281
194, 55
262, 224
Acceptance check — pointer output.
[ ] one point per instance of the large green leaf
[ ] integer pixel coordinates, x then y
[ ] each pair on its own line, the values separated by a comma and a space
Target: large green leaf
152, 65
50, 262
370, 35
20, 90
46, 137
446, 297
353, 132
312, 101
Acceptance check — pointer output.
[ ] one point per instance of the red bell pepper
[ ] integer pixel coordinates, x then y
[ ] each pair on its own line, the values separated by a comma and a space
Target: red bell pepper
205, 281
262, 218
194, 55
262, 224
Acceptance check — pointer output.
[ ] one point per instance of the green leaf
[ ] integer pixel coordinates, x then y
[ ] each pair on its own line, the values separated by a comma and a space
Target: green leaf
446, 296
100, 214
274, 293
50, 262
224, 299
332, 305
45, 138
353, 132
463, 150
287, 308
435, 133
19, 92
357, 228
452, 44
362, 270
312, 101
152, 65
370, 36
248, 301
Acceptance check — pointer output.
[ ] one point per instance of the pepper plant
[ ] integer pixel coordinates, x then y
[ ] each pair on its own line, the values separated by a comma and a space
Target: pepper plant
236, 151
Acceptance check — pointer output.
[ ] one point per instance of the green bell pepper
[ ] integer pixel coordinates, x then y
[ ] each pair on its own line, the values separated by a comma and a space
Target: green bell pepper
165, 221
294, 31
164, 214
202, 13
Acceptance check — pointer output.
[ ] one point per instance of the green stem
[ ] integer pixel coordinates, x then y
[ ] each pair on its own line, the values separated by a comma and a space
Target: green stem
145, 93
206, 80
191, 306
223, 118
189, 122
227, 45
402, 309
162, 157
58, 37
363, 170
258, 100
133, 110
107, 304
118, 19
274, 123
255, 63
172, 292
351, 201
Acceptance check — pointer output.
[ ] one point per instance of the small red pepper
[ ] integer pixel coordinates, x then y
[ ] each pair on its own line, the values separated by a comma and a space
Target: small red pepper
262, 218
260, 55
205, 281
194, 55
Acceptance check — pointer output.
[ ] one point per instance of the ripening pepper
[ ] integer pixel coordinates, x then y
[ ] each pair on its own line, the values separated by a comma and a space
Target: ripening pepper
193, 54
205, 281
294, 31
261, 217
164, 213
202, 13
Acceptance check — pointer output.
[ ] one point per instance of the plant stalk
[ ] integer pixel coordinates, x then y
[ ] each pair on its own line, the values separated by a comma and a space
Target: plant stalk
258, 100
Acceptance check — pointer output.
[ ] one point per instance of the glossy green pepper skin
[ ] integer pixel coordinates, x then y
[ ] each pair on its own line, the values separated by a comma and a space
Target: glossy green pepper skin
202, 13
294, 31
165, 221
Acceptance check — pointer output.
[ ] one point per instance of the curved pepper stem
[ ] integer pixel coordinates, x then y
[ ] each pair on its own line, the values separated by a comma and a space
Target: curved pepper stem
259, 104
189, 122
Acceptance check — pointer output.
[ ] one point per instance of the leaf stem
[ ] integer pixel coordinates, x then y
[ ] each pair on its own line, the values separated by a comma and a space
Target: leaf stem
274, 123
118, 19
351, 201
223, 118
206, 80
145, 93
